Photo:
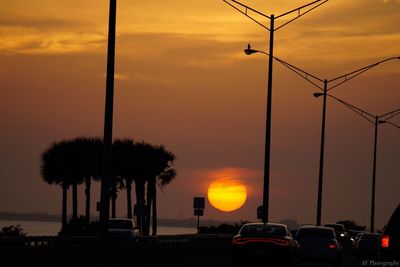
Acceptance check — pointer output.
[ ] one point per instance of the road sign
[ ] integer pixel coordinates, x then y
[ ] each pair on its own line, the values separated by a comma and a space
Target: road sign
199, 202
198, 212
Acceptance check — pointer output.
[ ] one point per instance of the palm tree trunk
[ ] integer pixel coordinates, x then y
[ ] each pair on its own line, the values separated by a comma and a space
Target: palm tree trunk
149, 201
129, 198
64, 207
114, 199
87, 193
154, 209
74, 201
139, 188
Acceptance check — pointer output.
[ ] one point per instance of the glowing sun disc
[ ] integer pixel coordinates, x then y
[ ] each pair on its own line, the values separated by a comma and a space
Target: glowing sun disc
227, 195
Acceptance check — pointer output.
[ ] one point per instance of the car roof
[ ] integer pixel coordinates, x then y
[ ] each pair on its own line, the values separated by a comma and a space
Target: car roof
271, 224
314, 227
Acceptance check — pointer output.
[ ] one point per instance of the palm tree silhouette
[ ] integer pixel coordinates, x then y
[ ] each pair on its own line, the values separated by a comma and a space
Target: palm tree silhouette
124, 167
72, 162
54, 171
161, 171
86, 165
143, 165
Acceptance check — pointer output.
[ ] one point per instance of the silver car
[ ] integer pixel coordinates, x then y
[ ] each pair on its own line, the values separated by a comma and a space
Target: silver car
122, 230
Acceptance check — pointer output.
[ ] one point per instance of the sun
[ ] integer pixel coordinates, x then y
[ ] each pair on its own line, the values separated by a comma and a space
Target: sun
227, 194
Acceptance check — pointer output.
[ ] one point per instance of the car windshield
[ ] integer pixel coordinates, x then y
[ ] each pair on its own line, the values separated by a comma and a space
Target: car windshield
263, 230
120, 224
314, 233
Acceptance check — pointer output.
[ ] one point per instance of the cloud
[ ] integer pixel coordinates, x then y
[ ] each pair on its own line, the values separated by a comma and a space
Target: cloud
27, 40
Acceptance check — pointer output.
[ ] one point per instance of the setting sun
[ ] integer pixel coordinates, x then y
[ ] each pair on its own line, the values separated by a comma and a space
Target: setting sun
226, 194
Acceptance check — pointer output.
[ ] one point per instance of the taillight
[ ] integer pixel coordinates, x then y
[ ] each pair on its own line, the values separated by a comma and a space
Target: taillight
281, 242
385, 241
243, 241
332, 246
239, 241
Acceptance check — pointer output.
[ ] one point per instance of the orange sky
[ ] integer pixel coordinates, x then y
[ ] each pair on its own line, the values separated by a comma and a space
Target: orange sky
182, 80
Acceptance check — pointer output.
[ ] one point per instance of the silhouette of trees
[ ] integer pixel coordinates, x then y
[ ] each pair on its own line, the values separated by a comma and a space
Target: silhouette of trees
12, 231
124, 158
73, 162
54, 170
162, 172
352, 225
86, 165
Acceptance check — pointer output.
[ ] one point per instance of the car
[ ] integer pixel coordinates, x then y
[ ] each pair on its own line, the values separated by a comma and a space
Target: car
390, 240
318, 244
264, 242
122, 230
367, 245
341, 234
339, 229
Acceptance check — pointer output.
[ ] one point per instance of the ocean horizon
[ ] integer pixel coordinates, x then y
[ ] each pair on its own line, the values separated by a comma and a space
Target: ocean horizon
51, 228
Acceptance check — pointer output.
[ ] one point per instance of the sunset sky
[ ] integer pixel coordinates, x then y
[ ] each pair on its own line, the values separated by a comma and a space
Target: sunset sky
182, 80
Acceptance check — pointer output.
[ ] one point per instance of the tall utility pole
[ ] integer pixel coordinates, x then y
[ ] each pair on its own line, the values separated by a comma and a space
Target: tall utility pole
237, 5
321, 156
106, 175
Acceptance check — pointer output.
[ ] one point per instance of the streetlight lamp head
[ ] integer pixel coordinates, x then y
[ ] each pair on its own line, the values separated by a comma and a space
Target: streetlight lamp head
249, 51
318, 94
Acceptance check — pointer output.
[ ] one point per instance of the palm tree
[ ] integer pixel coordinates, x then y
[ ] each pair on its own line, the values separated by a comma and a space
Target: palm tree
53, 171
164, 178
161, 170
124, 167
86, 166
143, 165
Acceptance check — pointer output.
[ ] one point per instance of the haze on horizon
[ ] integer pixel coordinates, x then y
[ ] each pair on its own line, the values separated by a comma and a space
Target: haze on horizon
182, 80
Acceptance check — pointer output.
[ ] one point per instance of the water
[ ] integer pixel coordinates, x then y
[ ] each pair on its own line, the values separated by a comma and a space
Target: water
43, 228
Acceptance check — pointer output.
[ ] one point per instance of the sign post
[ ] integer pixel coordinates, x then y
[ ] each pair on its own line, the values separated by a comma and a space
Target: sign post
198, 206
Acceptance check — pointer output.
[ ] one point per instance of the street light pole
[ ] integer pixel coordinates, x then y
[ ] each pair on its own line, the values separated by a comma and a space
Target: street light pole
106, 174
374, 120
374, 177
267, 150
314, 80
321, 156
271, 29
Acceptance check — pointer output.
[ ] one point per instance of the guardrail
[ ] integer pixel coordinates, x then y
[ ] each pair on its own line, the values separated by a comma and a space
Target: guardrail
52, 241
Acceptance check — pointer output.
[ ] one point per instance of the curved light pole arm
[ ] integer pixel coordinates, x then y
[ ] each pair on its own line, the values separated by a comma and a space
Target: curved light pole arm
299, 11
369, 117
348, 76
305, 75
245, 12
302, 73
390, 114
391, 123
311, 6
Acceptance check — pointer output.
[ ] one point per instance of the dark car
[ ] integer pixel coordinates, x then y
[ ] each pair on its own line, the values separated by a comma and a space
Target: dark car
339, 229
367, 245
341, 233
269, 243
390, 241
318, 244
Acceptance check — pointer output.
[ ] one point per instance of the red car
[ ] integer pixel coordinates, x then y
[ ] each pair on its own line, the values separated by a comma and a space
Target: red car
267, 243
